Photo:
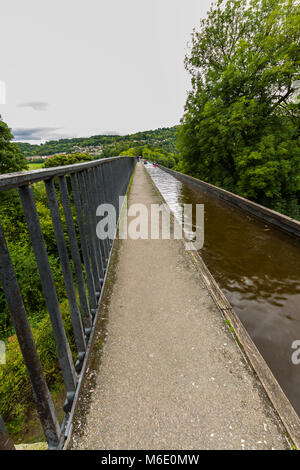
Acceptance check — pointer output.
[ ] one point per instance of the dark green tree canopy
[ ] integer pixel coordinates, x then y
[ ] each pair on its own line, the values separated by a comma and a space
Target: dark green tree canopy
11, 159
240, 129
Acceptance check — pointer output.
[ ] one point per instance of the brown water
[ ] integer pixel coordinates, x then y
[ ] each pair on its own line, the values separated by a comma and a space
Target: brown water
258, 268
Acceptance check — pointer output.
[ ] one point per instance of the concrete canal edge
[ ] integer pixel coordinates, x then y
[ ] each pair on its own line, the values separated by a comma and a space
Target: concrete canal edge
283, 222
279, 400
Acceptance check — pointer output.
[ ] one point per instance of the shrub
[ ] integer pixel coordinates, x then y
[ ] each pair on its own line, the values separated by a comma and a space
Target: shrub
16, 397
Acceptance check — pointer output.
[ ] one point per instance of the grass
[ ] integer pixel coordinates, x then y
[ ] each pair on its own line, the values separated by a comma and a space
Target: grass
35, 166
32, 431
229, 325
234, 334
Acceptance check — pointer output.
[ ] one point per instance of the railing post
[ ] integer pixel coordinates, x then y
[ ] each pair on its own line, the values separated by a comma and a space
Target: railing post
5, 441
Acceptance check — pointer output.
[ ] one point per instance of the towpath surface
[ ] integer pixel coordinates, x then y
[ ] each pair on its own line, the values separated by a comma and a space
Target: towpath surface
171, 374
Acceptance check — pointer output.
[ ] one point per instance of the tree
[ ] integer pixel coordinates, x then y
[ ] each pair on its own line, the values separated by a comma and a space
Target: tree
240, 129
61, 160
132, 152
11, 159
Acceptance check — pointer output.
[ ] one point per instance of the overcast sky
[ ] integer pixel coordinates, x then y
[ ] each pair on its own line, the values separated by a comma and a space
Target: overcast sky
78, 68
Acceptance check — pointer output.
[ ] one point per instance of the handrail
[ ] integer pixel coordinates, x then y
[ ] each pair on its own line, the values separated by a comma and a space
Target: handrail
20, 178
91, 183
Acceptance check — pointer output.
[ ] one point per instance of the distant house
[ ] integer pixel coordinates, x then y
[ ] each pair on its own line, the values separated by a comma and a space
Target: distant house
35, 158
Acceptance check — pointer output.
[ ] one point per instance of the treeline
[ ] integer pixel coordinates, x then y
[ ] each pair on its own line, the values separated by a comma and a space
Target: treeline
62, 160
108, 145
153, 154
241, 127
162, 157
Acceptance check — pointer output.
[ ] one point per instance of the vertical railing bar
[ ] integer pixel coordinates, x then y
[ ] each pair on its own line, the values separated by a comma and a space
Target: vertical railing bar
16, 307
65, 199
125, 165
105, 200
6, 442
113, 182
116, 179
121, 186
93, 220
110, 193
113, 189
118, 185
129, 167
121, 181
38, 244
83, 242
106, 184
98, 200
92, 212
92, 250
67, 272
124, 179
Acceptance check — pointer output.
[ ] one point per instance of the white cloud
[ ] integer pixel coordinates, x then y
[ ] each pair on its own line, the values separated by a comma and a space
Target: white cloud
35, 105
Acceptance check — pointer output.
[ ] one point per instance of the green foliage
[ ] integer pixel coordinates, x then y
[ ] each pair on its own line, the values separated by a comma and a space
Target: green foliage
18, 241
162, 157
240, 129
35, 166
11, 159
30, 285
60, 160
16, 398
131, 152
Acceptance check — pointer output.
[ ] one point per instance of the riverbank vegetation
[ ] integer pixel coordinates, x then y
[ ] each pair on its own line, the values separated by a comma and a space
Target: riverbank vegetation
241, 126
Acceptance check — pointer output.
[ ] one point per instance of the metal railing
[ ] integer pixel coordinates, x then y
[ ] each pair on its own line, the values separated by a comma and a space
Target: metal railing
91, 183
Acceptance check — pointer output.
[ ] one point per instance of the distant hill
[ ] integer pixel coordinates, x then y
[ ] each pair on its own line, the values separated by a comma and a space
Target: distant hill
106, 145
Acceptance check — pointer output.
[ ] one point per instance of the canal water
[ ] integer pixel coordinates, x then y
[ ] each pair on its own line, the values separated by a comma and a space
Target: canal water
257, 267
